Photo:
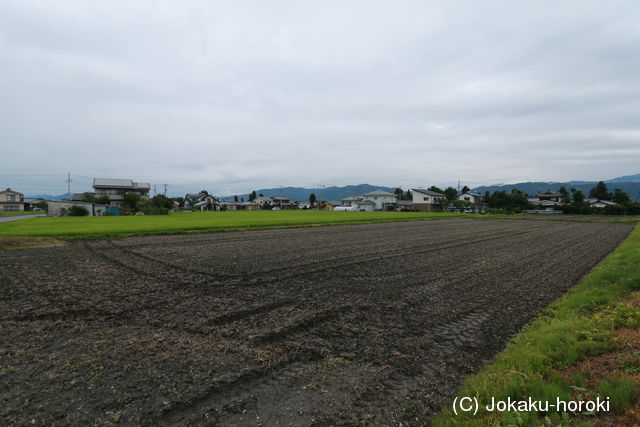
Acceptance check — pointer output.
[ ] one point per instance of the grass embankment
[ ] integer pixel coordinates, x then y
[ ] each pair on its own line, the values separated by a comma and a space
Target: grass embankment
585, 345
19, 213
101, 227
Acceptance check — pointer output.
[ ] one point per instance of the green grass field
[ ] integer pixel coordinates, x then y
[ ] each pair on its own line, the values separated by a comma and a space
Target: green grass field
583, 346
101, 227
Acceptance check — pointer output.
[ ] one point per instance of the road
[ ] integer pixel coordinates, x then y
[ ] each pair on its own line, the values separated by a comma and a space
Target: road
19, 217
310, 326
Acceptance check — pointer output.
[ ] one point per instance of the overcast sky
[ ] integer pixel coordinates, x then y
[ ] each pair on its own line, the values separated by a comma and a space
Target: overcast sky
232, 96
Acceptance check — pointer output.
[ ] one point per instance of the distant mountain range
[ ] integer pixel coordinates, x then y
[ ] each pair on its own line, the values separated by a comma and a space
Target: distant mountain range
46, 196
627, 178
632, 188
629, 184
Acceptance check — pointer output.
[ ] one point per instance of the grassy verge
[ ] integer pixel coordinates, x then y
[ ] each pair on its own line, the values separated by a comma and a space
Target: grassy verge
585, 345
19, 213
27, 242
101, 227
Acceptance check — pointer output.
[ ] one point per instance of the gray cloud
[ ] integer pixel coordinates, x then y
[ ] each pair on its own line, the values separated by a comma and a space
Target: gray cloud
239, 95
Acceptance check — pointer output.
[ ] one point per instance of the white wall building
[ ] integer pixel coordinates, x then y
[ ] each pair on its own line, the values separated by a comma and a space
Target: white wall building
383, 199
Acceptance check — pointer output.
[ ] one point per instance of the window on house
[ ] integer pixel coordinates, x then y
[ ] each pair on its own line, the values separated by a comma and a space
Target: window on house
426, 199
11, 208
12, 197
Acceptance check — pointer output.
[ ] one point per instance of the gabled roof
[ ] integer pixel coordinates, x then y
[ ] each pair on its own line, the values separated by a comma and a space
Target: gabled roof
428, 192
8, 190
593, 201
120, 183
549, 193
380, 193
471, 193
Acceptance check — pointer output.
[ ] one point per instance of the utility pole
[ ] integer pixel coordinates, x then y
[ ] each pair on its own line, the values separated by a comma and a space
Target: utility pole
458, 186
154, 190
165, 189
69, 184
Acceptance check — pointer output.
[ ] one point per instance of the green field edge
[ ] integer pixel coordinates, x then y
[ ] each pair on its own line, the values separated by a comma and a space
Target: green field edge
578, 325
221, 228
95, 227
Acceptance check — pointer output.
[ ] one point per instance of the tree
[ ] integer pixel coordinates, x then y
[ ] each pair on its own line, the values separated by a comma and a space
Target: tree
312, 199
514, 202
260, 195
131, 199
235, 198
42, 205
600, 191
566, 198
436, 189
88, 197
578, 198
162, 201
102, 200
78, 211
180, 201
620, 197
252, 196
399, 193
408, 195
465, 189
487, 195
451, 193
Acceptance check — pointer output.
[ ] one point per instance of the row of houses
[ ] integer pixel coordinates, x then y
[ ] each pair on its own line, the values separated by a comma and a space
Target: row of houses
549, 200
112, 192
422, 199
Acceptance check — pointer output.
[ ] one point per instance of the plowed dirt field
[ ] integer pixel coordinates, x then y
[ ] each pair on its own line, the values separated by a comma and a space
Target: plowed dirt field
311, 326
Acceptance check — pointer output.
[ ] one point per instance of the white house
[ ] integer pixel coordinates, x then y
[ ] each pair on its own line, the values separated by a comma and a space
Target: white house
263, 201
11, 201
427, 200
382, 199
471, 197
364, 205
597, 203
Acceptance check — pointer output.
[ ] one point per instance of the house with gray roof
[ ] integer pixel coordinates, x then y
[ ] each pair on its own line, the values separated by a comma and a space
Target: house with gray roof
427, 200
11, 201
384, 201
116, 189
473, 198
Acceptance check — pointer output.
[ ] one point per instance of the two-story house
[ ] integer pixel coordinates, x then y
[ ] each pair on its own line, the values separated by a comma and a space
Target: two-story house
11, 201
116, 189
383, 200
427, 200
473, 198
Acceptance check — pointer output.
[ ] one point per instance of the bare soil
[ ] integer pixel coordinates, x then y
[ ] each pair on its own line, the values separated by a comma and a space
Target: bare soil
311, 326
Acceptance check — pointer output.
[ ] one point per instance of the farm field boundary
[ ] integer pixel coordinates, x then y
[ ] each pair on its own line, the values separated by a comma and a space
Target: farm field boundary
193, 222
584, 346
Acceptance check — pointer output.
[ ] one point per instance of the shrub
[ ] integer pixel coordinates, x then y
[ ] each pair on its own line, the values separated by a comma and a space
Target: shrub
76, 210
620, 389
155, 211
